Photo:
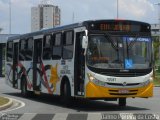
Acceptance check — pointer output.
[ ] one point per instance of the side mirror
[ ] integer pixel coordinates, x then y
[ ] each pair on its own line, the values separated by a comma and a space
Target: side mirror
84, 42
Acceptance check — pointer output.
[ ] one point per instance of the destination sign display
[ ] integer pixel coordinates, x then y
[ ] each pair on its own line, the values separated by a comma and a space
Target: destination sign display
119, 26
116, 27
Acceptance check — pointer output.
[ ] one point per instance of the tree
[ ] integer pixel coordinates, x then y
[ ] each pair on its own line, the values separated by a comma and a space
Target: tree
156, 45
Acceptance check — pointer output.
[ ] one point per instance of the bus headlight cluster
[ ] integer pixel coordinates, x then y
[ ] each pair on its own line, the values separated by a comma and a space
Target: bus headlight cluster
145, 83
151, 79
96, 81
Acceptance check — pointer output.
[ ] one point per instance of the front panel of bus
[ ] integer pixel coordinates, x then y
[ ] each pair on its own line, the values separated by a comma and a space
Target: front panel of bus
118, 60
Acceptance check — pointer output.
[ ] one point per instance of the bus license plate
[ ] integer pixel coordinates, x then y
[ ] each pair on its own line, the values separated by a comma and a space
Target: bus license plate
123, 91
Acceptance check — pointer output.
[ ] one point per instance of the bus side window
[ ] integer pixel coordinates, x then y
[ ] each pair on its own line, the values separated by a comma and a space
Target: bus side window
9, 51
47, 47
68, 45
22, 47
57, 47
29, 49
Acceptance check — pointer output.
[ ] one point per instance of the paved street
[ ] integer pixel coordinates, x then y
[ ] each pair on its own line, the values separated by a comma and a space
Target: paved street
40, 106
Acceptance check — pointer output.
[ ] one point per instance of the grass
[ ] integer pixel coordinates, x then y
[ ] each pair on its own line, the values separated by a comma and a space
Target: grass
3, 101
156, 80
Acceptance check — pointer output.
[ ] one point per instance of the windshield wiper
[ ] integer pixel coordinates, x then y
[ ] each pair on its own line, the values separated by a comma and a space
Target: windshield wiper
115, 46
107, 36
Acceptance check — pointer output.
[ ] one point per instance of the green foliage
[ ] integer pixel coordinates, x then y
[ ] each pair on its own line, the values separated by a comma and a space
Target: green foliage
156, 45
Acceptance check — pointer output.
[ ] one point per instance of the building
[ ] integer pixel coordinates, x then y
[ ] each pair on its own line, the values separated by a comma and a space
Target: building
155, 29
45, 16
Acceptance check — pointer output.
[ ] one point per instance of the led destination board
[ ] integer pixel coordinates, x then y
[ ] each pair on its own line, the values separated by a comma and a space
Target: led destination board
120, 26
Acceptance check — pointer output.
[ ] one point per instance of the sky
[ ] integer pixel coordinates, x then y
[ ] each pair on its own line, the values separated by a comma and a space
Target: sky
141, 10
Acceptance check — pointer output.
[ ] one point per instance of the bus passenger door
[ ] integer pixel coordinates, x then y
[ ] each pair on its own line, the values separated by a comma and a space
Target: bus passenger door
36, 64
15, 65
79, 66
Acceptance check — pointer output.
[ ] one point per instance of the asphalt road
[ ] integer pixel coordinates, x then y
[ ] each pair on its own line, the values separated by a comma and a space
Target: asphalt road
50, 105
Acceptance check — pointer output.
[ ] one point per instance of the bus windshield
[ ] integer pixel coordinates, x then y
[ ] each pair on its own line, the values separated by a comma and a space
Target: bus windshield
119, 52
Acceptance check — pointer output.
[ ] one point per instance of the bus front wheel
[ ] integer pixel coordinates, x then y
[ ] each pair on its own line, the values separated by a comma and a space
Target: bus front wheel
122, 102
66, 94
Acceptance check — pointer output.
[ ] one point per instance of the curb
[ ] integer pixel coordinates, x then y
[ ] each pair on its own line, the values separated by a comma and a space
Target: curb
7, 105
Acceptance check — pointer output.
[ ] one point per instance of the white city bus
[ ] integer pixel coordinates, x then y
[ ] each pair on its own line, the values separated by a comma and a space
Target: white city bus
101, 59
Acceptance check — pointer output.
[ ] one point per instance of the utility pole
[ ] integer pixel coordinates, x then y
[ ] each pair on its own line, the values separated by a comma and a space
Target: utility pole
73, 17
10, 18
117, 9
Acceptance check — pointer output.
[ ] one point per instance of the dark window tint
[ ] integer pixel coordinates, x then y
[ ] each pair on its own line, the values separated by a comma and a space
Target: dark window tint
57, 48
68, 38
58, 39
47, 47
37, 50
9, 51
29, 49
68, 52
68, 45
23, 43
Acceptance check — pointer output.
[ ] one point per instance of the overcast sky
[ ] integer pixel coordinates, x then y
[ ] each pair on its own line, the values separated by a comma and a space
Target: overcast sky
141, 10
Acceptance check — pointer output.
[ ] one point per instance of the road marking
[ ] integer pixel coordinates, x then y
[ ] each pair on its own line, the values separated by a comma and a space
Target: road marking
60, 116
76, 116
22, 104
27, 116
43, 117
94, 116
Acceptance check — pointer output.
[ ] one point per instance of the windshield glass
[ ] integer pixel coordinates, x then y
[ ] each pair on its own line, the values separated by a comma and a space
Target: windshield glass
118, 52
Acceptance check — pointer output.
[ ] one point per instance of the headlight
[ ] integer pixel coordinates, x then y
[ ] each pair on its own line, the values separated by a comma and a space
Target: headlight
151, 79
145, 83
96, 81
90, 77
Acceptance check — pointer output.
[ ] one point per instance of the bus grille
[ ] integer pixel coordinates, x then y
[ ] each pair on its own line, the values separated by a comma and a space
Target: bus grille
120, 84
116, 92
123, 74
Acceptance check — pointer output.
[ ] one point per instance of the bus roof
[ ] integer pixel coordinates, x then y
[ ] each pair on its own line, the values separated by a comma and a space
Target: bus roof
75, 25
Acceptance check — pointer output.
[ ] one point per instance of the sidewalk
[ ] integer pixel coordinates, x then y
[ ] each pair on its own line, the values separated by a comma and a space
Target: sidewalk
5, 103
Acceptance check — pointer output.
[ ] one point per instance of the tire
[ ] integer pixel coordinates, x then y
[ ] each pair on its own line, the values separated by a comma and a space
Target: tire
66, 94
122, 102
24, 91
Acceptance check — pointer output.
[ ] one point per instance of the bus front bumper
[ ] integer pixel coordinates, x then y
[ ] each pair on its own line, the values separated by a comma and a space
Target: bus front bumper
97, 92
